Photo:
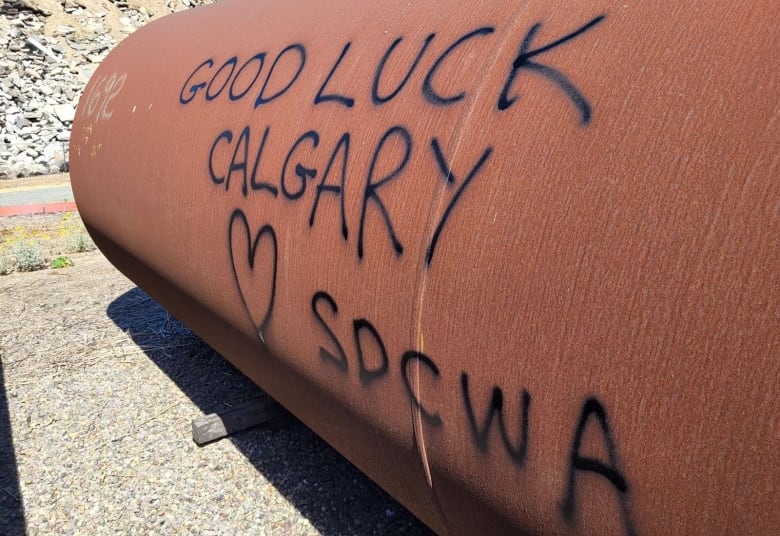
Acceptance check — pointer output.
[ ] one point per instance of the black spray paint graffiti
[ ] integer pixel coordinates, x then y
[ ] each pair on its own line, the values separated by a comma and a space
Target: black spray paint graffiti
481, 434
485, 416
244, 247
212, 83
523, 62
230, 162
236, 156
610, 471
230, 155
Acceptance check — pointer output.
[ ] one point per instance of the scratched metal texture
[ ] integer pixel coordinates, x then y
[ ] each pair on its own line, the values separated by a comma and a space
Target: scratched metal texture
517, 261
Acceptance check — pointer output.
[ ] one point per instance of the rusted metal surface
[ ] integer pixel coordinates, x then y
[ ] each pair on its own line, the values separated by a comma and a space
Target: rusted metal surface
517, 261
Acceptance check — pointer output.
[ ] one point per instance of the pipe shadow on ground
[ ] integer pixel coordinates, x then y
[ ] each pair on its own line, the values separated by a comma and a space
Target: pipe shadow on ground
325, 488
11, 507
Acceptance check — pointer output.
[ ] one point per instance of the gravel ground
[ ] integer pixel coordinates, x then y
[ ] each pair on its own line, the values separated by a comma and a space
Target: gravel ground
98, 387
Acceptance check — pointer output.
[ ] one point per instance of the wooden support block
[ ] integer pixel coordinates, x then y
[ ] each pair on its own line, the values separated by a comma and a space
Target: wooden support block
215, 426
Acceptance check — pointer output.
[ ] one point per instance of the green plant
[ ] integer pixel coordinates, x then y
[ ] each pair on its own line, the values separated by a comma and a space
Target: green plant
5, 266
61, 262
77, 239
81, 243
28, 255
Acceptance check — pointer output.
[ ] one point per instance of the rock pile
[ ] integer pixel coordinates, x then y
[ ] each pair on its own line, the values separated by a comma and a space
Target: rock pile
48, 51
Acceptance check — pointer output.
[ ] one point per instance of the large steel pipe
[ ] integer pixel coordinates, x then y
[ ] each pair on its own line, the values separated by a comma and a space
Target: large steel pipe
517, 261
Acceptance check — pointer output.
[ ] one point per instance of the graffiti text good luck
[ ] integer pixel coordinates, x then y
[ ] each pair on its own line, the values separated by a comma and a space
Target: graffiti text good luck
265, 77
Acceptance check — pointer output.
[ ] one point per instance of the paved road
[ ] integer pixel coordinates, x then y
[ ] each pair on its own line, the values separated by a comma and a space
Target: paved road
38, 195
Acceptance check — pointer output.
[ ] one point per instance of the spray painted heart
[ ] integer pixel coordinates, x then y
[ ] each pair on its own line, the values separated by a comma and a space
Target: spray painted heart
254, 262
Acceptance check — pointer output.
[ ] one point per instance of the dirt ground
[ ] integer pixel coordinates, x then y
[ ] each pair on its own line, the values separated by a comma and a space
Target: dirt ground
34, 182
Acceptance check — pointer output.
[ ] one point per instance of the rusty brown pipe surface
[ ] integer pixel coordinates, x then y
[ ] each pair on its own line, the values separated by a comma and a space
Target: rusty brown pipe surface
519, 263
